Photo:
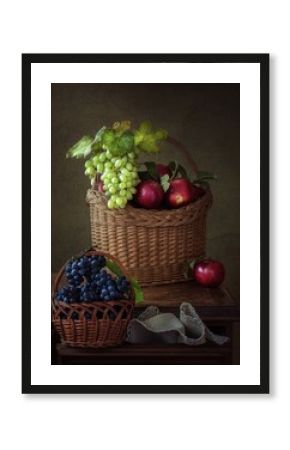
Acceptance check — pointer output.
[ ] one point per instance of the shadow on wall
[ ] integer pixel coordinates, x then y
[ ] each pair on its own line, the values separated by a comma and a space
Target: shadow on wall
205, 117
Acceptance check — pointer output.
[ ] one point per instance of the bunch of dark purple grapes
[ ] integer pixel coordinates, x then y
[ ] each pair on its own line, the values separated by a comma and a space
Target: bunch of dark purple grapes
84, 267
89, 281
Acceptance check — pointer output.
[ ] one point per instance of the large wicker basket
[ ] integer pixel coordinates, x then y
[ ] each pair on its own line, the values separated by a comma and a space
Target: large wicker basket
108, 323
153, 245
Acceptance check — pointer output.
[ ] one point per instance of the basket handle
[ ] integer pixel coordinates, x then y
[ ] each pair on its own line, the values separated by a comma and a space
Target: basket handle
185, 152
88, 252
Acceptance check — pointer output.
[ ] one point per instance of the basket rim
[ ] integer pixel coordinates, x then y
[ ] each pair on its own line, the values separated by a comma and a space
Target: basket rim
97, 303
93, 196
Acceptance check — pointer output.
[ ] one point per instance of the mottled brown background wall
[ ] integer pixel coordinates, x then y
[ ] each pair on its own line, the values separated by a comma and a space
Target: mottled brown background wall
205, 117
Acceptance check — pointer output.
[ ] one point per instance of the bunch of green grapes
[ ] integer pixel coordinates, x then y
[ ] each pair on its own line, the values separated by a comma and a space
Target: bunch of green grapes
113, 154
119, 176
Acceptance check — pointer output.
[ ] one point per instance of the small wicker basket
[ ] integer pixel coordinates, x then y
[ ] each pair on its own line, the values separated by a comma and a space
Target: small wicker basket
109, 319
154, 245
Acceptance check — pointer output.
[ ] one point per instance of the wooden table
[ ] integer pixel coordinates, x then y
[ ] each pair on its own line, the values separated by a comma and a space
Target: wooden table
216, 307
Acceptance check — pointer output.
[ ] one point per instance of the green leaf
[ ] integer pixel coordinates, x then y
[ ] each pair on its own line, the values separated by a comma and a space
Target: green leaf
177, 169
126, 142
204, 176
139, 297
138, 137
82, 148
145, 127
173, 167
192, 263
114, 267
147, 139
203, 173
181, 170
160, 134
118, 145
144, 175
188, 269
96, 146
115, 149
99, 135
165, 182
108, 139
152, 170
149, 145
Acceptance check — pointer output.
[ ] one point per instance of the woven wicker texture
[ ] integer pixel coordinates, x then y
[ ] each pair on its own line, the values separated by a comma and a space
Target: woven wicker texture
108, 323
153, 245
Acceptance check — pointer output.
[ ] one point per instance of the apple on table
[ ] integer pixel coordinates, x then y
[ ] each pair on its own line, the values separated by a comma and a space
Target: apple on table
209, 272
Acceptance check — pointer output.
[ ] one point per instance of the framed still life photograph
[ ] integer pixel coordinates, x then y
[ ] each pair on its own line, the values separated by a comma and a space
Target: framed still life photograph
145, 226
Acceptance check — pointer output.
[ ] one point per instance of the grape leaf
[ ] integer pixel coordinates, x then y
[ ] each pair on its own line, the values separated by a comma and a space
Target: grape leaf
114, 267
165, 182
160, 134
147, 139
149, 144
126, 142
108, 139
138, 137
121, 127
118, 145
82, 148
99, 135
139, 297
96, 146
145, 127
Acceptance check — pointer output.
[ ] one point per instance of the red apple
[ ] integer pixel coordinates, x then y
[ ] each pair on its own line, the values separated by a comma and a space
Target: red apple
149, 194
181, 192
209, 273
162, 169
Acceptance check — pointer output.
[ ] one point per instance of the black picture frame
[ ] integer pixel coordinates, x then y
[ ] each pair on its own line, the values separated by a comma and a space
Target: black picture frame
27, 60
